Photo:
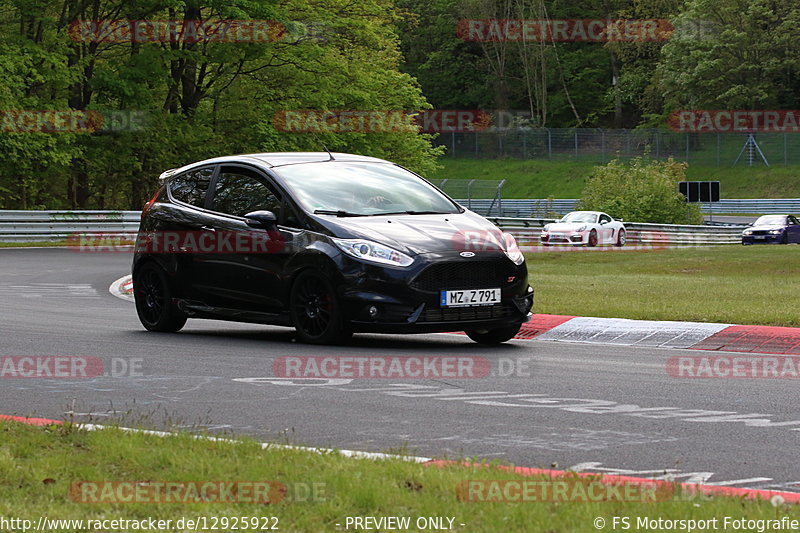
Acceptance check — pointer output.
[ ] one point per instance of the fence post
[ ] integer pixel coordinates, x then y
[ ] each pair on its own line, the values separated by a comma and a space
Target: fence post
453, 142
603, 144
717, 149
785, 151
576, 143
469, 194
549, 145
687, 147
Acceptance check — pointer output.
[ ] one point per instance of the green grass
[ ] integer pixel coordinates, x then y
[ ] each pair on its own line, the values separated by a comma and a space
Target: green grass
537, 178
730, 284
32, 244
39, 465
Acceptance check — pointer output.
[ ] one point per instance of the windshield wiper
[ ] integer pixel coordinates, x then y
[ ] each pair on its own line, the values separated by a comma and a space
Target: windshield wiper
412, 213
338, 213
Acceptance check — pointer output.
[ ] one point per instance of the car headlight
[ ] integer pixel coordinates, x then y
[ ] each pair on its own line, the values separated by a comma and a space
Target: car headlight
582, 228
512, 249
747, 232
372, 251
776, 231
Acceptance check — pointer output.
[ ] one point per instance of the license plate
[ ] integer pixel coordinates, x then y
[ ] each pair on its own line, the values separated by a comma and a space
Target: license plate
469, 297
759, 236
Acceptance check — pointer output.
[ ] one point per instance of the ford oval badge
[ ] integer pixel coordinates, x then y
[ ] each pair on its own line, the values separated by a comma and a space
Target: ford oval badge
467, 254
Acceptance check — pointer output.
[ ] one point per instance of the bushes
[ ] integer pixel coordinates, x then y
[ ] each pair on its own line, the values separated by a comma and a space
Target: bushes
640, 191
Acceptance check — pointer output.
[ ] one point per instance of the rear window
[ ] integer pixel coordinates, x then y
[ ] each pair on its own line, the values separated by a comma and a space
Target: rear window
191, 187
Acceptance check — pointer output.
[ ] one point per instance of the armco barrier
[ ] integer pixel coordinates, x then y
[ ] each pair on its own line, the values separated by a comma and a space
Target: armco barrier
512, 207
43, 226
527, 231
38, 226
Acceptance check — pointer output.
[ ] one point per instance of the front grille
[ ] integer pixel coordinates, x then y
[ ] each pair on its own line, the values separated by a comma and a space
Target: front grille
464, 275
464, 313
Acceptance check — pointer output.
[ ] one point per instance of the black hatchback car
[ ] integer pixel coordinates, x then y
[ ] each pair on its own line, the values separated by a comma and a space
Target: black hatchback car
327, 243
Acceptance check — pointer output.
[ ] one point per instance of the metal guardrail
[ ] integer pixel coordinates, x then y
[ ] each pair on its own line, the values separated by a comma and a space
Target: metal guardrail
527, 231
43, 226
33, 226
512, 207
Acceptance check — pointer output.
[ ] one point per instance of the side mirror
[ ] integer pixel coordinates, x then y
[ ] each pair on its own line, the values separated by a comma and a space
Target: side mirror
602, 223
261, 219
620, 220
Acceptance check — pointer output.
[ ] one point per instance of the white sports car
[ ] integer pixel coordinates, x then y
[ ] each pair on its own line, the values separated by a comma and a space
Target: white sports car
584, 228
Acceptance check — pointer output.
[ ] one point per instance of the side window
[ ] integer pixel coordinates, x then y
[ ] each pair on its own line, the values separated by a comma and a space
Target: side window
793, 220
190, 187
240, 191
605, 218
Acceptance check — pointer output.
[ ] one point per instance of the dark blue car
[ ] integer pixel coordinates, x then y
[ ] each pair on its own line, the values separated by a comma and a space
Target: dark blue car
773, 229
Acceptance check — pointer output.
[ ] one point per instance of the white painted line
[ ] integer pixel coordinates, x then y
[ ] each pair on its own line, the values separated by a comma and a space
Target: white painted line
266, 445
626, 332
116, 288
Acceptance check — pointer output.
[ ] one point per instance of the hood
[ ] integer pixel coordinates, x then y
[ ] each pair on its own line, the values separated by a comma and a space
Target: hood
766, 227
419, 234
565, 226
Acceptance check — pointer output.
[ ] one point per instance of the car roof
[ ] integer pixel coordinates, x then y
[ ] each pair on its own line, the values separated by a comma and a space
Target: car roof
277, 159
590, 212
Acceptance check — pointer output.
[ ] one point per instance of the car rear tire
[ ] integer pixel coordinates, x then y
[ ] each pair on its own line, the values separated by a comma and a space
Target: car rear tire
592, 241
153, 295
315, 310
494, 336
621, 239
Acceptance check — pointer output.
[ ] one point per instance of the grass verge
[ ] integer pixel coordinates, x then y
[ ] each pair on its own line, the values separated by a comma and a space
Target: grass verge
757, 285
537, 178
38, 467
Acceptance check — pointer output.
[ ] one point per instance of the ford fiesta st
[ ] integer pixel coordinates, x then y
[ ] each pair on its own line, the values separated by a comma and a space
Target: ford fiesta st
584, 228
329, 244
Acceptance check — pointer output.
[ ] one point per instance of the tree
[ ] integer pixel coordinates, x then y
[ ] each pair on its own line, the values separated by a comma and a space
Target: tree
640, 191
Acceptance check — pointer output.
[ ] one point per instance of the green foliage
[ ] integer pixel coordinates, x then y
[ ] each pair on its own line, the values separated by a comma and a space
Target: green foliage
640, 191
201, 99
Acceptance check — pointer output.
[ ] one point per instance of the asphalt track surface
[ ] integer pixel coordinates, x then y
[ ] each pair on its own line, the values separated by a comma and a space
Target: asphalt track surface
567, 409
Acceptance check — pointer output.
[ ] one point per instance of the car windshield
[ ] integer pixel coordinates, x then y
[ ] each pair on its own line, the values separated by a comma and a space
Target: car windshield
362, 189
771, 220
579, 216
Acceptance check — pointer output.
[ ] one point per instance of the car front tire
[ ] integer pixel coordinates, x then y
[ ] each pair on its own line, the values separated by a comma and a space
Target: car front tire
316, 311
153, 295
494, 336
591, 242
621, 238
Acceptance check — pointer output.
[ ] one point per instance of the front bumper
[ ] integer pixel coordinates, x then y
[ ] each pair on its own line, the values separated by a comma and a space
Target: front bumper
392, 300
762, 239
572, 238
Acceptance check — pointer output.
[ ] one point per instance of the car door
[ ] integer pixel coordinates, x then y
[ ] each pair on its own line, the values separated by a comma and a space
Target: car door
181, 217
245, 270
793, 228
606, 232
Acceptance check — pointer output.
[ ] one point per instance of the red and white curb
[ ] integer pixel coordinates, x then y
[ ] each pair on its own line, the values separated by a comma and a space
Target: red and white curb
775, 497
123, 288
663, 334
626, 332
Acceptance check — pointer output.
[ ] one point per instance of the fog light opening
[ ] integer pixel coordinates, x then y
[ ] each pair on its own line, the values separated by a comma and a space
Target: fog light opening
373, 312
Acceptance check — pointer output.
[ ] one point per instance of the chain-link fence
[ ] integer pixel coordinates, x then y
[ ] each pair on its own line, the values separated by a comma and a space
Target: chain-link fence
602, 145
